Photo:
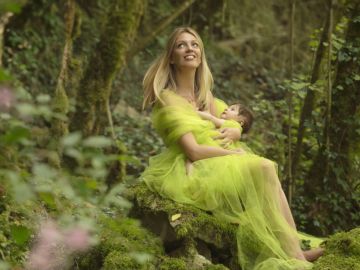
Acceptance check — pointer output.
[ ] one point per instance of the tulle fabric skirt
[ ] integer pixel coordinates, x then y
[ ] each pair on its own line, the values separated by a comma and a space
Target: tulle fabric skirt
242, 189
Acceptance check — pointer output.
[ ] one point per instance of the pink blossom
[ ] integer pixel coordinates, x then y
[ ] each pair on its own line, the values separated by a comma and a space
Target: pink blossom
43, 256
54, 246
77, 239
7, 98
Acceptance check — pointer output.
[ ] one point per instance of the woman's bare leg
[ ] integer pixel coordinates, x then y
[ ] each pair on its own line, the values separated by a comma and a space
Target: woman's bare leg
285, 209
310, 255
291, 239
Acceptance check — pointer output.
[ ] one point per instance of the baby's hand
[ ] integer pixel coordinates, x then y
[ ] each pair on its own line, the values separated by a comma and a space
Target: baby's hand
240, 151
204, 115
188, 166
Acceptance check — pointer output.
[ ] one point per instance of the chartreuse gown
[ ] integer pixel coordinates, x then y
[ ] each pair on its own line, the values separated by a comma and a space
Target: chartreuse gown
242, 189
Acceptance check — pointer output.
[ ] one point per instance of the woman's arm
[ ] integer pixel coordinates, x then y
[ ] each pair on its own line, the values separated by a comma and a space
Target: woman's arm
195, 151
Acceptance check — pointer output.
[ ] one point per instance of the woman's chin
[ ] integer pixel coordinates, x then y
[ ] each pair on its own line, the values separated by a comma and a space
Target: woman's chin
189, 65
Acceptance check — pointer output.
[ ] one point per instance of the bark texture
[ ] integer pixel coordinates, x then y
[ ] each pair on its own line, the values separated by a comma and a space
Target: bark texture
109, 57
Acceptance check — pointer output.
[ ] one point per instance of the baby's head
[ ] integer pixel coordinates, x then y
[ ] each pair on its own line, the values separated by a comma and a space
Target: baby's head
241, 114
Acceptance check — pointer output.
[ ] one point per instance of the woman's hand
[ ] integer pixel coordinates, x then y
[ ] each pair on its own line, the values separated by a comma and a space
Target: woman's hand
228, 135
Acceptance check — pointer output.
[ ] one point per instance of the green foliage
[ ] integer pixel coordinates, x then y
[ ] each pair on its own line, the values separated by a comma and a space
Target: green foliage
13, 6
140, 139
64, 178
32, 59
31, 175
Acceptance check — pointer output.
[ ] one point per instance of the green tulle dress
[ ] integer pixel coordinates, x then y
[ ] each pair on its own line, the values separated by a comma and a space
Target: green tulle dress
241, 189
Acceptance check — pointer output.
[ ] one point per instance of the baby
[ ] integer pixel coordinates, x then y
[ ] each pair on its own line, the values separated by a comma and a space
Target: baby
236, 114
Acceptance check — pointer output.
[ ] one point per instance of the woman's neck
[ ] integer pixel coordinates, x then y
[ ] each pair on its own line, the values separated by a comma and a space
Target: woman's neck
185, 81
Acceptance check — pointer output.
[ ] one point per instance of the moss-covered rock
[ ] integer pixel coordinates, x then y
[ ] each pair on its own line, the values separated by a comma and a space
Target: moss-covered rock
168, 263
342, 251
185, 230
121, 240
124, 244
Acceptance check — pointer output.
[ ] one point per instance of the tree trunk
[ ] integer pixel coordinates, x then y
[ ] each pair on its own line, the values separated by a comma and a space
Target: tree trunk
59, 127
309, 100
108, 58
342, 131
4, 18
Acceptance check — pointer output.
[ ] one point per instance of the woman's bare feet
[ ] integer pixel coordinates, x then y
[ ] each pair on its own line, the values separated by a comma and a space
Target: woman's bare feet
313, 254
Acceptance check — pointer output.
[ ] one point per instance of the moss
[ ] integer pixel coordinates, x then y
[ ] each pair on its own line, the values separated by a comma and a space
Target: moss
342, 251
60, 106
118, 260
193, 226
216, 267
333, 262
95, 87
193, 221
167, 263
119, 238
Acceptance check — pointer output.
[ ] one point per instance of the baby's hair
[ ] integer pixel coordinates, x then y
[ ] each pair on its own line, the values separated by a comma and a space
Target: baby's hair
248, 114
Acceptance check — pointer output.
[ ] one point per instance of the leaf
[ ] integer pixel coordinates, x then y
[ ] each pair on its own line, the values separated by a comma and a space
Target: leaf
71, 139
22, 192
44, 171
16, 134
48, 198
4, 265
175, 217
97, 141
4, 75
74, 153
26, 109
43, 98
141, 257
10, 7
20, 234
298, 86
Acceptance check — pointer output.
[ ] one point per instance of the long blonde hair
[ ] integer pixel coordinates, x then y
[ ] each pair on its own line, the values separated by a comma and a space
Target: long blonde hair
161, 75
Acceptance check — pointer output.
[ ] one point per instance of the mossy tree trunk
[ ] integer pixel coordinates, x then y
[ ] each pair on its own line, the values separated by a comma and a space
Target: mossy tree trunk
61, 100
108, 58
342, 130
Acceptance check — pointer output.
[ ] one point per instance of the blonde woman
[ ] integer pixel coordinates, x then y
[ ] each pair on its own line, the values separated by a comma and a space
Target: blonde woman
242, 189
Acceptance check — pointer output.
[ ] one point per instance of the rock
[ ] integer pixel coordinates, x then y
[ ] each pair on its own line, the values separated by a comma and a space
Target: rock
185, 231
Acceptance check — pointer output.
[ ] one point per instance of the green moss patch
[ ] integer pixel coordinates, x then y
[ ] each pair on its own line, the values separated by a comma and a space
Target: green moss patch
342, 251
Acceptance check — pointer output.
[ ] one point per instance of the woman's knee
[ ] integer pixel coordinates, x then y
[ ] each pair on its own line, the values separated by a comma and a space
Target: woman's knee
269, 170
267, 165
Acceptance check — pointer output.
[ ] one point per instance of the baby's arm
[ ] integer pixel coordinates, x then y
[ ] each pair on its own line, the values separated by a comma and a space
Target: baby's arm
207, 116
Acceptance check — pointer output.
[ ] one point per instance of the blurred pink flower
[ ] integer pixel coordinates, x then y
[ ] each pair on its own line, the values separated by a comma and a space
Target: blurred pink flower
77, 239
54, 246
43, 255
7, 98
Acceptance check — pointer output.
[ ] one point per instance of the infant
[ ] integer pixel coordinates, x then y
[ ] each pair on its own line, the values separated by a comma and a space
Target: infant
236, 112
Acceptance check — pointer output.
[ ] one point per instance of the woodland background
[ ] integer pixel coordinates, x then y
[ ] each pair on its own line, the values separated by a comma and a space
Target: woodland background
74, 139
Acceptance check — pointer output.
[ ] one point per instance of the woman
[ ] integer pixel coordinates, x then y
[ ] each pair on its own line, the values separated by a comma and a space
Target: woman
240, 188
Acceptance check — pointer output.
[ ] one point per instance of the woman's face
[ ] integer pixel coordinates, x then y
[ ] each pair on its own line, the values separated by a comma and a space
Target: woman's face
187, 52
